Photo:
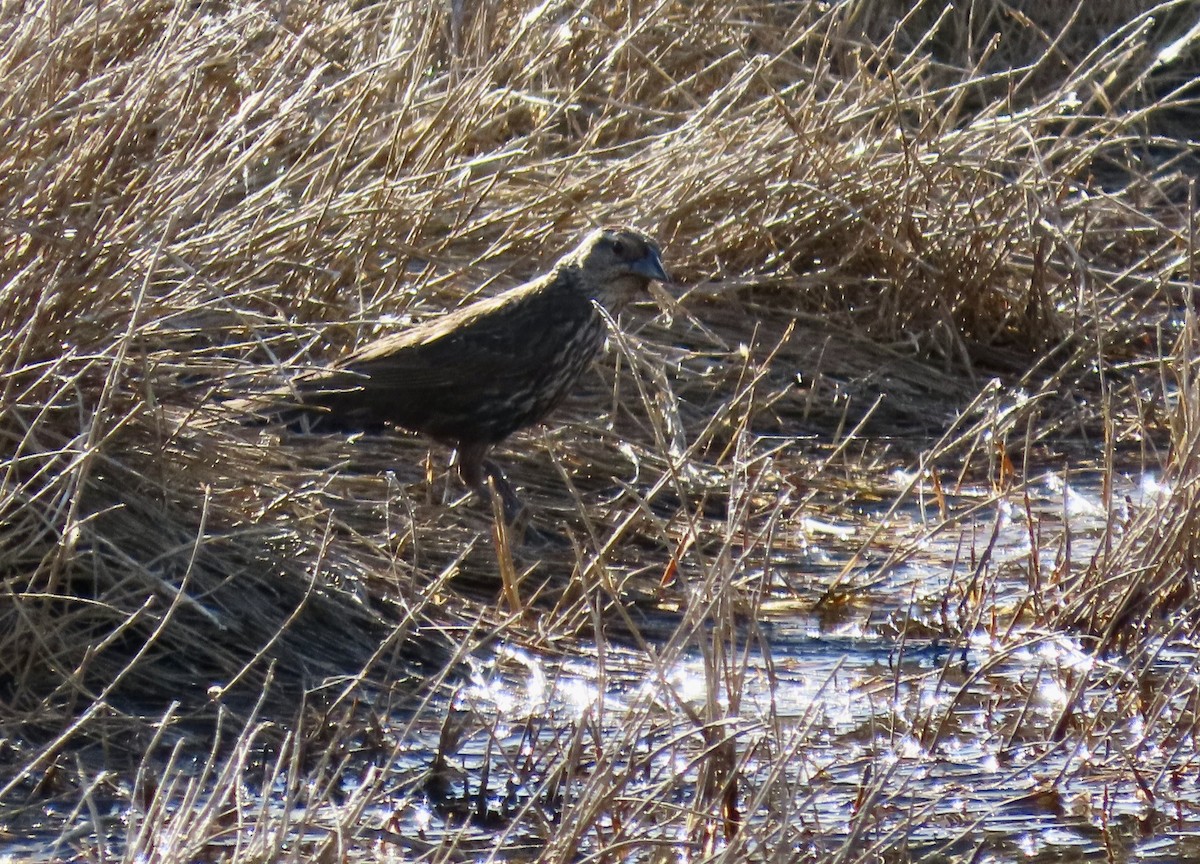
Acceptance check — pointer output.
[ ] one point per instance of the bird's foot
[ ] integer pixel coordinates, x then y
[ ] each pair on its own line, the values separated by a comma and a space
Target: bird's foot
543, 538
516, 514
514, 508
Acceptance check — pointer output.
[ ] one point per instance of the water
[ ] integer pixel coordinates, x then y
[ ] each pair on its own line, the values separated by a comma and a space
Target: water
901, 700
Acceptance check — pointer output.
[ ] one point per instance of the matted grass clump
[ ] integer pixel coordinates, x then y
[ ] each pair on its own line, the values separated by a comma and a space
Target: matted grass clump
871, 211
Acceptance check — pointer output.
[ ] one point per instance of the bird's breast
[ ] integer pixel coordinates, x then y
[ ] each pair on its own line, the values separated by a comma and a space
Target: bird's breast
575, 348
487, 408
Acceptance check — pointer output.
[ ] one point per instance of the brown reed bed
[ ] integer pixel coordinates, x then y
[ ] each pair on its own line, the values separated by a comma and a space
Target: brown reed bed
956, 242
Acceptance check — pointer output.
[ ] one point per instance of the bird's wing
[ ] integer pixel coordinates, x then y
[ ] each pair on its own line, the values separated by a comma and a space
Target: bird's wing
507, 338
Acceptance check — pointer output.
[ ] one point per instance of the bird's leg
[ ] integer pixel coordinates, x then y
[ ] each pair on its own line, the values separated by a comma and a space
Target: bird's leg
513, 508
474, 467
470, 465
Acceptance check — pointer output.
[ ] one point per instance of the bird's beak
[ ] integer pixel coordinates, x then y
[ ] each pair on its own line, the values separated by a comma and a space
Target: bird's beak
651, 267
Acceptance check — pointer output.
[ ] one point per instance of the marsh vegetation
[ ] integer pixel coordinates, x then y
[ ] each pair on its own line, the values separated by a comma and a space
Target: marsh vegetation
878, 540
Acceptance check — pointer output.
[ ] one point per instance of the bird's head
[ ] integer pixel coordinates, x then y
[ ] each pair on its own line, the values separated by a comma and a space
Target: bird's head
617, 264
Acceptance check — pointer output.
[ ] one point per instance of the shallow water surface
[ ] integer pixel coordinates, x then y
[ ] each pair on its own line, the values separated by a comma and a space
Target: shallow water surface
852, 721
899, 702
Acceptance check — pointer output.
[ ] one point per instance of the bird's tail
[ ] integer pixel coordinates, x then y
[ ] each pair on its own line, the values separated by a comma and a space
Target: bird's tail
321, 405
282, 407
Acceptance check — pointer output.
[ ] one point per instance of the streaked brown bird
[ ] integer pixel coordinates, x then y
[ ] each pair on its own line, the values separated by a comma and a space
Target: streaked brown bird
472, 377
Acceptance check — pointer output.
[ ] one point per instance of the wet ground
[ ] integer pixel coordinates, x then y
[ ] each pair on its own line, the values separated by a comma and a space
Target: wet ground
901, 703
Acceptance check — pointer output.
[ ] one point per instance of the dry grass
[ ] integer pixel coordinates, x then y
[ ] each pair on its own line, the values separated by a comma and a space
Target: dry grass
872, 211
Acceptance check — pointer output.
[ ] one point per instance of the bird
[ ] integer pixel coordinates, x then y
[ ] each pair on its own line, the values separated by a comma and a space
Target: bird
470, 378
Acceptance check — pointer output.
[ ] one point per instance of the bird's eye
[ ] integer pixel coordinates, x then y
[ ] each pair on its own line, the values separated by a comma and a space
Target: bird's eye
618, 247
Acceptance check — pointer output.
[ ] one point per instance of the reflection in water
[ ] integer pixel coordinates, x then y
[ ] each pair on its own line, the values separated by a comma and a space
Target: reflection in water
906, 701
902, 695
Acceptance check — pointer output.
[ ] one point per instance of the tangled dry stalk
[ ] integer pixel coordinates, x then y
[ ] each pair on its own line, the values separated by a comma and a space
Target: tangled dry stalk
871, 209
